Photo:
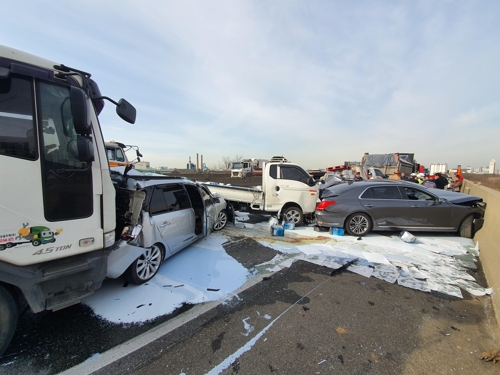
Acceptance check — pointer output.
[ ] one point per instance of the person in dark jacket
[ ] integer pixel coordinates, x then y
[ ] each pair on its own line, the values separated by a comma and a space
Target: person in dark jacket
440, 181
357, 177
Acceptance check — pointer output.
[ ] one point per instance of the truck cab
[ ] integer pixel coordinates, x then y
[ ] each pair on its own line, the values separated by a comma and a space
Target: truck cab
57, 201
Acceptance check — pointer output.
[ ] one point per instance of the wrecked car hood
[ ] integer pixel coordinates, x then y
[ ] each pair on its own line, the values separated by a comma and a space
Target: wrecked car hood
456, 198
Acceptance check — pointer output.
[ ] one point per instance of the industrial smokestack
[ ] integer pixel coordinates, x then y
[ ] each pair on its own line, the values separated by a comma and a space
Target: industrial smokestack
197, 165
201, 165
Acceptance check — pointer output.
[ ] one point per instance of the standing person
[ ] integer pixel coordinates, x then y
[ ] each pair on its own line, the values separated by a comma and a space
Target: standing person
428, 183
420, 178
357, 177
370, 177
456, 184
404, 177
440, 181
395, 176
413, 178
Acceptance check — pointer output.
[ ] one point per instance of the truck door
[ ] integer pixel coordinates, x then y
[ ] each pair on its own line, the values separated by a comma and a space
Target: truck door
289, 183
44, 183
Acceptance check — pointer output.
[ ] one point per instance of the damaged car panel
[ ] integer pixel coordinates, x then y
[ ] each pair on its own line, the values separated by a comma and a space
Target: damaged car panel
157, 216
380, 205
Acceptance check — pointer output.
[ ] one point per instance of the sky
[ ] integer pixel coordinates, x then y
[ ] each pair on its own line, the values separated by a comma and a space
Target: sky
319, 82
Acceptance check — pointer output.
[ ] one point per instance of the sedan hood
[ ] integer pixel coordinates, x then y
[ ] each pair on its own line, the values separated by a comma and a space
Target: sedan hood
456, 198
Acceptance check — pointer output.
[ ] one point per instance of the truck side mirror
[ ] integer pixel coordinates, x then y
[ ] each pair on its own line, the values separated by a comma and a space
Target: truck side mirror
79, 111
85, 148
126, 111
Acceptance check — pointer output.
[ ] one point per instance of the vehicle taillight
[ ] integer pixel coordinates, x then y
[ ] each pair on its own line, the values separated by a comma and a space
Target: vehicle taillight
324, 204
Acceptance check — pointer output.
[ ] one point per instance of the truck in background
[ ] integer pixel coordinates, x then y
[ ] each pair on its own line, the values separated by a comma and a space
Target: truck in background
247, 167
57, 199
287, 190
384, 165
117, 156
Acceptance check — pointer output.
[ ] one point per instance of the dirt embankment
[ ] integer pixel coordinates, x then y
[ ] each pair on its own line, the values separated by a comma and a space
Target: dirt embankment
489, 180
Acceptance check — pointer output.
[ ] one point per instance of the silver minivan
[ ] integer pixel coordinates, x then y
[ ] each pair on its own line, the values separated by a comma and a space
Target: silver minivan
158, 216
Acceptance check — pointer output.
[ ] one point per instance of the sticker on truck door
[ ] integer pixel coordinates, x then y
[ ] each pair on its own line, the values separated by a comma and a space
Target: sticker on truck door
34, 235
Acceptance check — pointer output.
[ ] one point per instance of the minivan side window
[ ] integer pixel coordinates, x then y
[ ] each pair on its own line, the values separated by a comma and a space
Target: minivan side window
168, 198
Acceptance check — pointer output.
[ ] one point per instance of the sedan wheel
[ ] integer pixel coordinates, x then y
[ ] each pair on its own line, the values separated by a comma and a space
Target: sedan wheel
221, 220
358, 224
146, 266
467, 227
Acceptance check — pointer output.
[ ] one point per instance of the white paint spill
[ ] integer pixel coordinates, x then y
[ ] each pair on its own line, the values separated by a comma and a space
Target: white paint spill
204, 272
183, 278
248, 328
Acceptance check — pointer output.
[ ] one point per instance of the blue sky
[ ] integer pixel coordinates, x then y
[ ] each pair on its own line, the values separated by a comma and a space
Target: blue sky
320, 82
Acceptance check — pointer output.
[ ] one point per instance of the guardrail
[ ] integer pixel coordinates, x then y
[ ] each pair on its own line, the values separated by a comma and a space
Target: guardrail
489, 238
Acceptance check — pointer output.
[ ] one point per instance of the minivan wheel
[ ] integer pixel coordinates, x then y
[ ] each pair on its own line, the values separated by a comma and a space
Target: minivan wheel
358, 224
294, 214
467, 227
221, 220
146, 266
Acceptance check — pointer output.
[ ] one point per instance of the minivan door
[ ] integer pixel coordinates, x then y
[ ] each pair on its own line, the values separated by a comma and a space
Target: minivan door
173, 217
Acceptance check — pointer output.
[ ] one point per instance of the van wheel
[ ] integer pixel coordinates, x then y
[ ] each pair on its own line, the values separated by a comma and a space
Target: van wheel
221, 220
9, 315
358, 224
294, 214
146, 266
467, 227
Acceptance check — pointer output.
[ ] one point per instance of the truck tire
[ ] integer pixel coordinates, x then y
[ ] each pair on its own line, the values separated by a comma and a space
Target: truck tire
293, 213
146, 266
9, 315
358, 224
221, 220
467, 227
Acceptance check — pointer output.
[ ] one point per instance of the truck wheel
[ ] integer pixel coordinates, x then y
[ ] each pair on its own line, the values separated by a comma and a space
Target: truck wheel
358, 224
294, 214
221, 220
36, 242
9, 315
467, 227
146, 266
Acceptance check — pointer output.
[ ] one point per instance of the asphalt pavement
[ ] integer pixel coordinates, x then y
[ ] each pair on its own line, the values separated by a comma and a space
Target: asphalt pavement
310, 320
305, 319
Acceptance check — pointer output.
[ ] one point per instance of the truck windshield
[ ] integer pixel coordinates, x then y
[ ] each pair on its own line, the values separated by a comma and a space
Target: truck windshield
17, 128
237, 165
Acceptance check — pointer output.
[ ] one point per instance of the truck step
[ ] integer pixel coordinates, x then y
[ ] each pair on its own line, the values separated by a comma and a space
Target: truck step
67, 299
73, 266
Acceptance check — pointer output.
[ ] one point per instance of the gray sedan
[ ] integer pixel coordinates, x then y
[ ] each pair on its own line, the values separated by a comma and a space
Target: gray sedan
381, 205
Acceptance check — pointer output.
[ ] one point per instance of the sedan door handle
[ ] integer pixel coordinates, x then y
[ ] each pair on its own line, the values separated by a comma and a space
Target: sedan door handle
415, 206
164, 224
368, 205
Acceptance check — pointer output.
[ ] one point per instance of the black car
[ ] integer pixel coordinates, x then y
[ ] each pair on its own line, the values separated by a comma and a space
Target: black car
386, 205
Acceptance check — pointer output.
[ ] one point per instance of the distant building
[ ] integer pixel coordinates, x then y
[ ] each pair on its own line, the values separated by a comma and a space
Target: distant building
438, 167
492, 166
142, 165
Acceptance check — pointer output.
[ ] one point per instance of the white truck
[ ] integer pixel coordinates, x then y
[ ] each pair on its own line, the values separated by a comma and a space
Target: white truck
287, 189
247, 167
57, 199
